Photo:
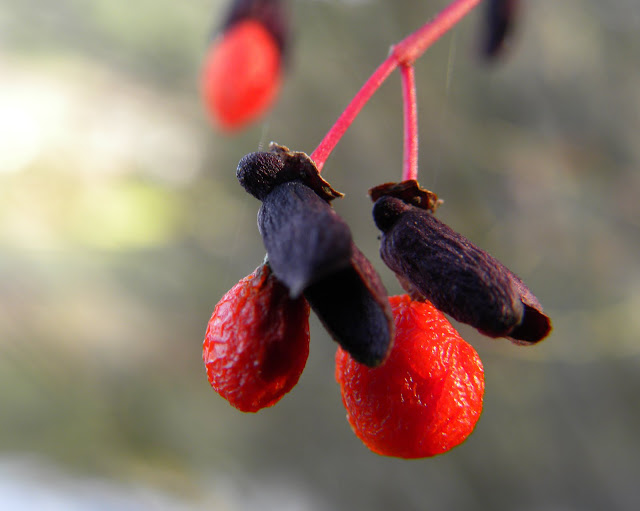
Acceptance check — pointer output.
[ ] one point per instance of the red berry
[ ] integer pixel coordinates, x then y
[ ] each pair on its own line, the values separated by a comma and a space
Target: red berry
257, 342
426, 398
242, 73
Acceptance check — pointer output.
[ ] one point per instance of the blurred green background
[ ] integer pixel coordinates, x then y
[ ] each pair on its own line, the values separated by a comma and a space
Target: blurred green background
122, 225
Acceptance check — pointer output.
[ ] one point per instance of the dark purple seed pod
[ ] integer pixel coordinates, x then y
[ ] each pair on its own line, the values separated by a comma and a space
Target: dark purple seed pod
353, 306
536, 325
311, 251
498, 25
273, 14
434, 262
305, 238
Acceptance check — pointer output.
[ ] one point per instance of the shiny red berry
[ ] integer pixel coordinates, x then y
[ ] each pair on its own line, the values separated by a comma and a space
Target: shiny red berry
426, 398
241, 75
257, 342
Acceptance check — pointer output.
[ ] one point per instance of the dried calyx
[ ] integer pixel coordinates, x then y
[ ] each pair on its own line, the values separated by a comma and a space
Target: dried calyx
311, 251
433, 261
408, 191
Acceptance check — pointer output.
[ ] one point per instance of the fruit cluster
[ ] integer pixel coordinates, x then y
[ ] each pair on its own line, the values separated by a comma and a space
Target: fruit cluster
411, 385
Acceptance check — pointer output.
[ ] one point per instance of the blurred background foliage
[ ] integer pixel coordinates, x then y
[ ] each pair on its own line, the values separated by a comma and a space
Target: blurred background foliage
122, 224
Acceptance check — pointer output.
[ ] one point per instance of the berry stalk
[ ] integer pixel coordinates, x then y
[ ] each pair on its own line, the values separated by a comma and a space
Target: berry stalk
414, 45
410, 104
403, 54
331, 139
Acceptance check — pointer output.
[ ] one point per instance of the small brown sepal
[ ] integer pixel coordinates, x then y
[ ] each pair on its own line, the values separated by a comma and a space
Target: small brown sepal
408, 191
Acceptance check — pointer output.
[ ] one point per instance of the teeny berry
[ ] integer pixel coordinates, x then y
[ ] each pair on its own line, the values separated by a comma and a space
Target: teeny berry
241, 75
426, 398
257, 342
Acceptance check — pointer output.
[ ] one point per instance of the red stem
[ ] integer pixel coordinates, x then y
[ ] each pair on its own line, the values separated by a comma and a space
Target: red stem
322, 152
404, 53
409, 101
414, 45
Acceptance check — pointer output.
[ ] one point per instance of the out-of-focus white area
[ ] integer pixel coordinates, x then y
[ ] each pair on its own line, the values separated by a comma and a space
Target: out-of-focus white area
30, 484
79, 134
86, 119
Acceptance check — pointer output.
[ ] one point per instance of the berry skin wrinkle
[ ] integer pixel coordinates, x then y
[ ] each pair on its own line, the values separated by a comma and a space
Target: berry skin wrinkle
426, 398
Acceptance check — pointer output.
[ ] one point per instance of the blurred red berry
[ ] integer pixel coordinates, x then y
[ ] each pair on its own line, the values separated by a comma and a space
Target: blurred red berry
426, 398
241, 75
257, 342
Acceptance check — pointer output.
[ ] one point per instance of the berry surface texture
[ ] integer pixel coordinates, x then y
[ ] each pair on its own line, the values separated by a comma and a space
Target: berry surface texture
257, 342
426, 398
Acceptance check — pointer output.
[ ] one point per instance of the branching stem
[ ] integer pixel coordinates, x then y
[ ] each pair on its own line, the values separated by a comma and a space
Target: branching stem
322, 152
403, 54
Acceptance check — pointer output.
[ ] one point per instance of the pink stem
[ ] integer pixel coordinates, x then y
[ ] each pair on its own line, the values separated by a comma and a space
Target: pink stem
414, 45
403, 53
322, 152
409, 101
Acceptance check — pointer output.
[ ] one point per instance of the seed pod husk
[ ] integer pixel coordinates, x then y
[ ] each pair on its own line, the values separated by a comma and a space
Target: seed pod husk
435, 262
305, 238
352, 305
310, 250
499, 21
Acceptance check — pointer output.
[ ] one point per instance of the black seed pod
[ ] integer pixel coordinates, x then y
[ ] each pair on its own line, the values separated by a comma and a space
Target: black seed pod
271, 13
435, 262
310, 250
353, 306
499, 21
305, 239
